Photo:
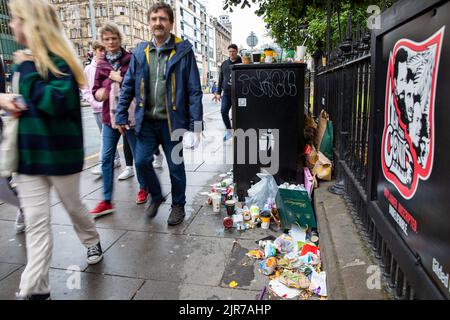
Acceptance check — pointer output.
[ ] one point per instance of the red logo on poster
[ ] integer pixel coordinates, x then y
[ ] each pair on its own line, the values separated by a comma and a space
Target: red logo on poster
408, 137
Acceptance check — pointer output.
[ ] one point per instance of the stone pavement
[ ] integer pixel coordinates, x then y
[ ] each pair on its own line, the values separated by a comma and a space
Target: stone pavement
146, 259
352, 270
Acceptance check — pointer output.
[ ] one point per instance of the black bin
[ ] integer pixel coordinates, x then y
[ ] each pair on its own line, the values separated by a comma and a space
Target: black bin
268, 96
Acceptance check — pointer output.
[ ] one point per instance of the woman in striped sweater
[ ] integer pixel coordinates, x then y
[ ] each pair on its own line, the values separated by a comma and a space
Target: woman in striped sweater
50, 138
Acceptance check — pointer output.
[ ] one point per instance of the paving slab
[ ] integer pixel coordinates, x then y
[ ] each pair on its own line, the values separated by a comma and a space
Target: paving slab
220, 168
12, 246
130, 217
208, 223
124, 191
193, 196
345, 256
242, 269
159, 290
7, 268
73, 285
166, 257
8, 212
67, 249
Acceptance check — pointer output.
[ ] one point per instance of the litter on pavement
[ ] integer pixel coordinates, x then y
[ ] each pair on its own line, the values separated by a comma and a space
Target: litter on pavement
292, 261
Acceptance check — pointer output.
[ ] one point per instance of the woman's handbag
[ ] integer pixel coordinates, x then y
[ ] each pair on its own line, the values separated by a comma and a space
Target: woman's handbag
9, 151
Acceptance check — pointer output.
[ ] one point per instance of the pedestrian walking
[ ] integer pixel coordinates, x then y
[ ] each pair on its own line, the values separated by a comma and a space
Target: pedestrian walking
224, 87
164, 79
89, 74
19, 224
108, 80
50, 138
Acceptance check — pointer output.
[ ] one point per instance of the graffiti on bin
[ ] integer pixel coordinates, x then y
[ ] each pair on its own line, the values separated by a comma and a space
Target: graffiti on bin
269, 83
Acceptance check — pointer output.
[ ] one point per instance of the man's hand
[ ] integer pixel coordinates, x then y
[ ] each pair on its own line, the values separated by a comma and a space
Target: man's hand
7, 103
217, 97
115, 76
123, 128
22, 56
100, 95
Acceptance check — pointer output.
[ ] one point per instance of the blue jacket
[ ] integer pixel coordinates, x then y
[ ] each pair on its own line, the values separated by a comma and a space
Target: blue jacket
183, 92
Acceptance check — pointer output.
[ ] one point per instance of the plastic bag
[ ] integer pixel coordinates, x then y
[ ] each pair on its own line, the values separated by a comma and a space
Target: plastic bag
284, 244
321, 128
322, 167
261, 191
326, 145
9, 152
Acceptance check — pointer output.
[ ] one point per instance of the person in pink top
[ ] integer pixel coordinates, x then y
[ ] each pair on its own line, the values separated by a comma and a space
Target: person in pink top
97, 107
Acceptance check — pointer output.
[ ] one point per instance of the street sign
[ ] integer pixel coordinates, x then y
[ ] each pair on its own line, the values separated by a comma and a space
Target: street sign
252, 40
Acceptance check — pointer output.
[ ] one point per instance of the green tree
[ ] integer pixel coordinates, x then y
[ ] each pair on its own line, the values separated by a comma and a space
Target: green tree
291, 22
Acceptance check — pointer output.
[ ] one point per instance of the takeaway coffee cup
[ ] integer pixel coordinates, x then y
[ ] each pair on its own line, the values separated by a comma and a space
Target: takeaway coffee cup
216, 202
265, 217
301, 51
230, 205
268, 59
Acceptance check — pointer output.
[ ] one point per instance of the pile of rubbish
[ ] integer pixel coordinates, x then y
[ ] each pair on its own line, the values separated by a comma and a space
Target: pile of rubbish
240, 215
292, 261
293, 264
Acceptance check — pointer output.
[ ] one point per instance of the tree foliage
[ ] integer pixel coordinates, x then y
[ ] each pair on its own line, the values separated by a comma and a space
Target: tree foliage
292, 22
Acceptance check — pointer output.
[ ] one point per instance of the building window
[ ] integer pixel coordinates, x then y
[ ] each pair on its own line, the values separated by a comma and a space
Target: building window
120, 11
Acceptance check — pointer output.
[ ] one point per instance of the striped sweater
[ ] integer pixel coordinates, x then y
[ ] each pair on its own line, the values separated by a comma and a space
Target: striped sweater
50, 131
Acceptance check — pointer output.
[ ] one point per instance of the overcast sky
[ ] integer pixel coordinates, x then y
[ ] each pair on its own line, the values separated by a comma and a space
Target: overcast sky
244, 21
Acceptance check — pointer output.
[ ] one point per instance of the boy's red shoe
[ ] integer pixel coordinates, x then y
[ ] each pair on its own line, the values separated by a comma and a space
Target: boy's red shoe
103, 208
142, 197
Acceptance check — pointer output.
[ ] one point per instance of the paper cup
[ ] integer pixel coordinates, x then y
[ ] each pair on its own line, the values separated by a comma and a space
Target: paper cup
301, 51
230, 205
265, 222
216, 202
268, 59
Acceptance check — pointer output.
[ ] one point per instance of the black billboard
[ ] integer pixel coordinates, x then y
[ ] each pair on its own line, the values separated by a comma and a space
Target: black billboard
413, 141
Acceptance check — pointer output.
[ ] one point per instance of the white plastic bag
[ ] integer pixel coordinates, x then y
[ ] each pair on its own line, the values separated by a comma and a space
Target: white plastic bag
9, 152
260, 192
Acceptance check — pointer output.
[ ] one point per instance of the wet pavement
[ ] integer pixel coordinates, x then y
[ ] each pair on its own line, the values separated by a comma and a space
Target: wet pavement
147, 259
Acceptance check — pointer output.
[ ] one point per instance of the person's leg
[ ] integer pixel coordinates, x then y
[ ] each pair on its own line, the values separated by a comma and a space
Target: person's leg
146, 143
110, 140
98, 120
177, 170
225, 110
159, 158
129, 171
130, 137
68, 190
34, 197
142, 196
127, 152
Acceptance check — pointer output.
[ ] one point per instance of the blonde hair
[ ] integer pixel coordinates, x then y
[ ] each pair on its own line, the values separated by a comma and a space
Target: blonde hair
110, 27
45, 34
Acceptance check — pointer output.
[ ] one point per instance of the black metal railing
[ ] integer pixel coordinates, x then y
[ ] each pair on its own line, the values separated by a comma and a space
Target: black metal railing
343, 89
